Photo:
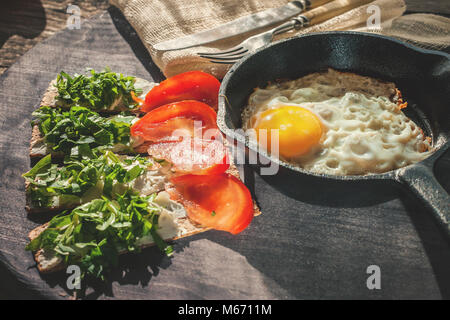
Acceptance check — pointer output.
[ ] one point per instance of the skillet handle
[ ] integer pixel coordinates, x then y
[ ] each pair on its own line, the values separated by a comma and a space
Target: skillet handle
420, 179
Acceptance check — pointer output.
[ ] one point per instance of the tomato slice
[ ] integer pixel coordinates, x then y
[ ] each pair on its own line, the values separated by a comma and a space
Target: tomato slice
194, 156
220, 201
159, 125
191, 85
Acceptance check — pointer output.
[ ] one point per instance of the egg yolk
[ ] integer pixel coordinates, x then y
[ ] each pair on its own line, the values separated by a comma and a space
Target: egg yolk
299, 129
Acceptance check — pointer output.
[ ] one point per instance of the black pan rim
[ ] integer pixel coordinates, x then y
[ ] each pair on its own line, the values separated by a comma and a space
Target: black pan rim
223, 101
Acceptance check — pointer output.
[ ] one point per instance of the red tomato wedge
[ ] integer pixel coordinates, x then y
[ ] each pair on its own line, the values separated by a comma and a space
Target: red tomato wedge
191, 85
220, 201
159, 125
194, 156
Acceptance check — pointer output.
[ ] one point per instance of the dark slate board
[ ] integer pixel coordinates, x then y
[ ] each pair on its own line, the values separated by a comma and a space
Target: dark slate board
297, 249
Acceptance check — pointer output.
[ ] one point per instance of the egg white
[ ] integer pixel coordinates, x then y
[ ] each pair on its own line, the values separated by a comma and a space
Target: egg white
365, 130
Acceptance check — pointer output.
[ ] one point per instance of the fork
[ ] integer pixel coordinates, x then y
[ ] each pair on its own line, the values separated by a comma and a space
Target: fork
314, 16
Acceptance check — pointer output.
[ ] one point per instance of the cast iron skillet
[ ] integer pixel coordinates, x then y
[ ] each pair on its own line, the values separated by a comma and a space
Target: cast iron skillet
423, 77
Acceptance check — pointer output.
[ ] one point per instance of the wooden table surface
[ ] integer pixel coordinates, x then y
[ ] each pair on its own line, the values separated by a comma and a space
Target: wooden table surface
23, 23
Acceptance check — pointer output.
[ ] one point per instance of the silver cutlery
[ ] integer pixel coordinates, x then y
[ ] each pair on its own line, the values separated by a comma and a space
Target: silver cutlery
314, 16
240, 25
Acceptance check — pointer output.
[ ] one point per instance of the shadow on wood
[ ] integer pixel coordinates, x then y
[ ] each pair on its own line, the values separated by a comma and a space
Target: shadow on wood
130, 35
22, 17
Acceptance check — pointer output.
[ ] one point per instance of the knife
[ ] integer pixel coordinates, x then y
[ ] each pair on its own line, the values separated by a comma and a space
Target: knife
241, 25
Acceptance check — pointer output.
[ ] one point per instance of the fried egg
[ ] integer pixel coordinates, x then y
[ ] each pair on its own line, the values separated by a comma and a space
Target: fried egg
335, 123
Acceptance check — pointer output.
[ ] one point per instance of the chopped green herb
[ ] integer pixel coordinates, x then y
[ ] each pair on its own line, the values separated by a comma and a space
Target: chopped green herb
100, 91
68, 184
95, 233
77, 131
213, 213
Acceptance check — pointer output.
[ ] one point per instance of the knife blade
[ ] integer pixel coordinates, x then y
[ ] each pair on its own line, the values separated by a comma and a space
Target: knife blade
238, 26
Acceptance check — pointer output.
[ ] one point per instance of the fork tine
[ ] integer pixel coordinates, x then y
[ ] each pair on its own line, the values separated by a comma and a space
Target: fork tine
227, 58
231, 50
232, 54
223, 62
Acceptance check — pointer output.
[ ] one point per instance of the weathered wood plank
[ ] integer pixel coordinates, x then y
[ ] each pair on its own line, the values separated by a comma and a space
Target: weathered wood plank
429, 6
24, 23
295, 250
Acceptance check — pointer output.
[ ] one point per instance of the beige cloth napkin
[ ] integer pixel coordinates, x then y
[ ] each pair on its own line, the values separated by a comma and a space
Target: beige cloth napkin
159, 20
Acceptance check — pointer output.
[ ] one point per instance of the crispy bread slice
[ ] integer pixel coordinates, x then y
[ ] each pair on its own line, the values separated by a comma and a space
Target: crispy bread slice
38, 148
48, 262
35, 210
49, 98
58, 203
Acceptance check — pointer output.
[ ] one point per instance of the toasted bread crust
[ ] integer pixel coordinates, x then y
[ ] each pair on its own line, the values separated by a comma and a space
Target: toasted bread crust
183, 223
32, 209
36, 142
49, 99
37, 147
